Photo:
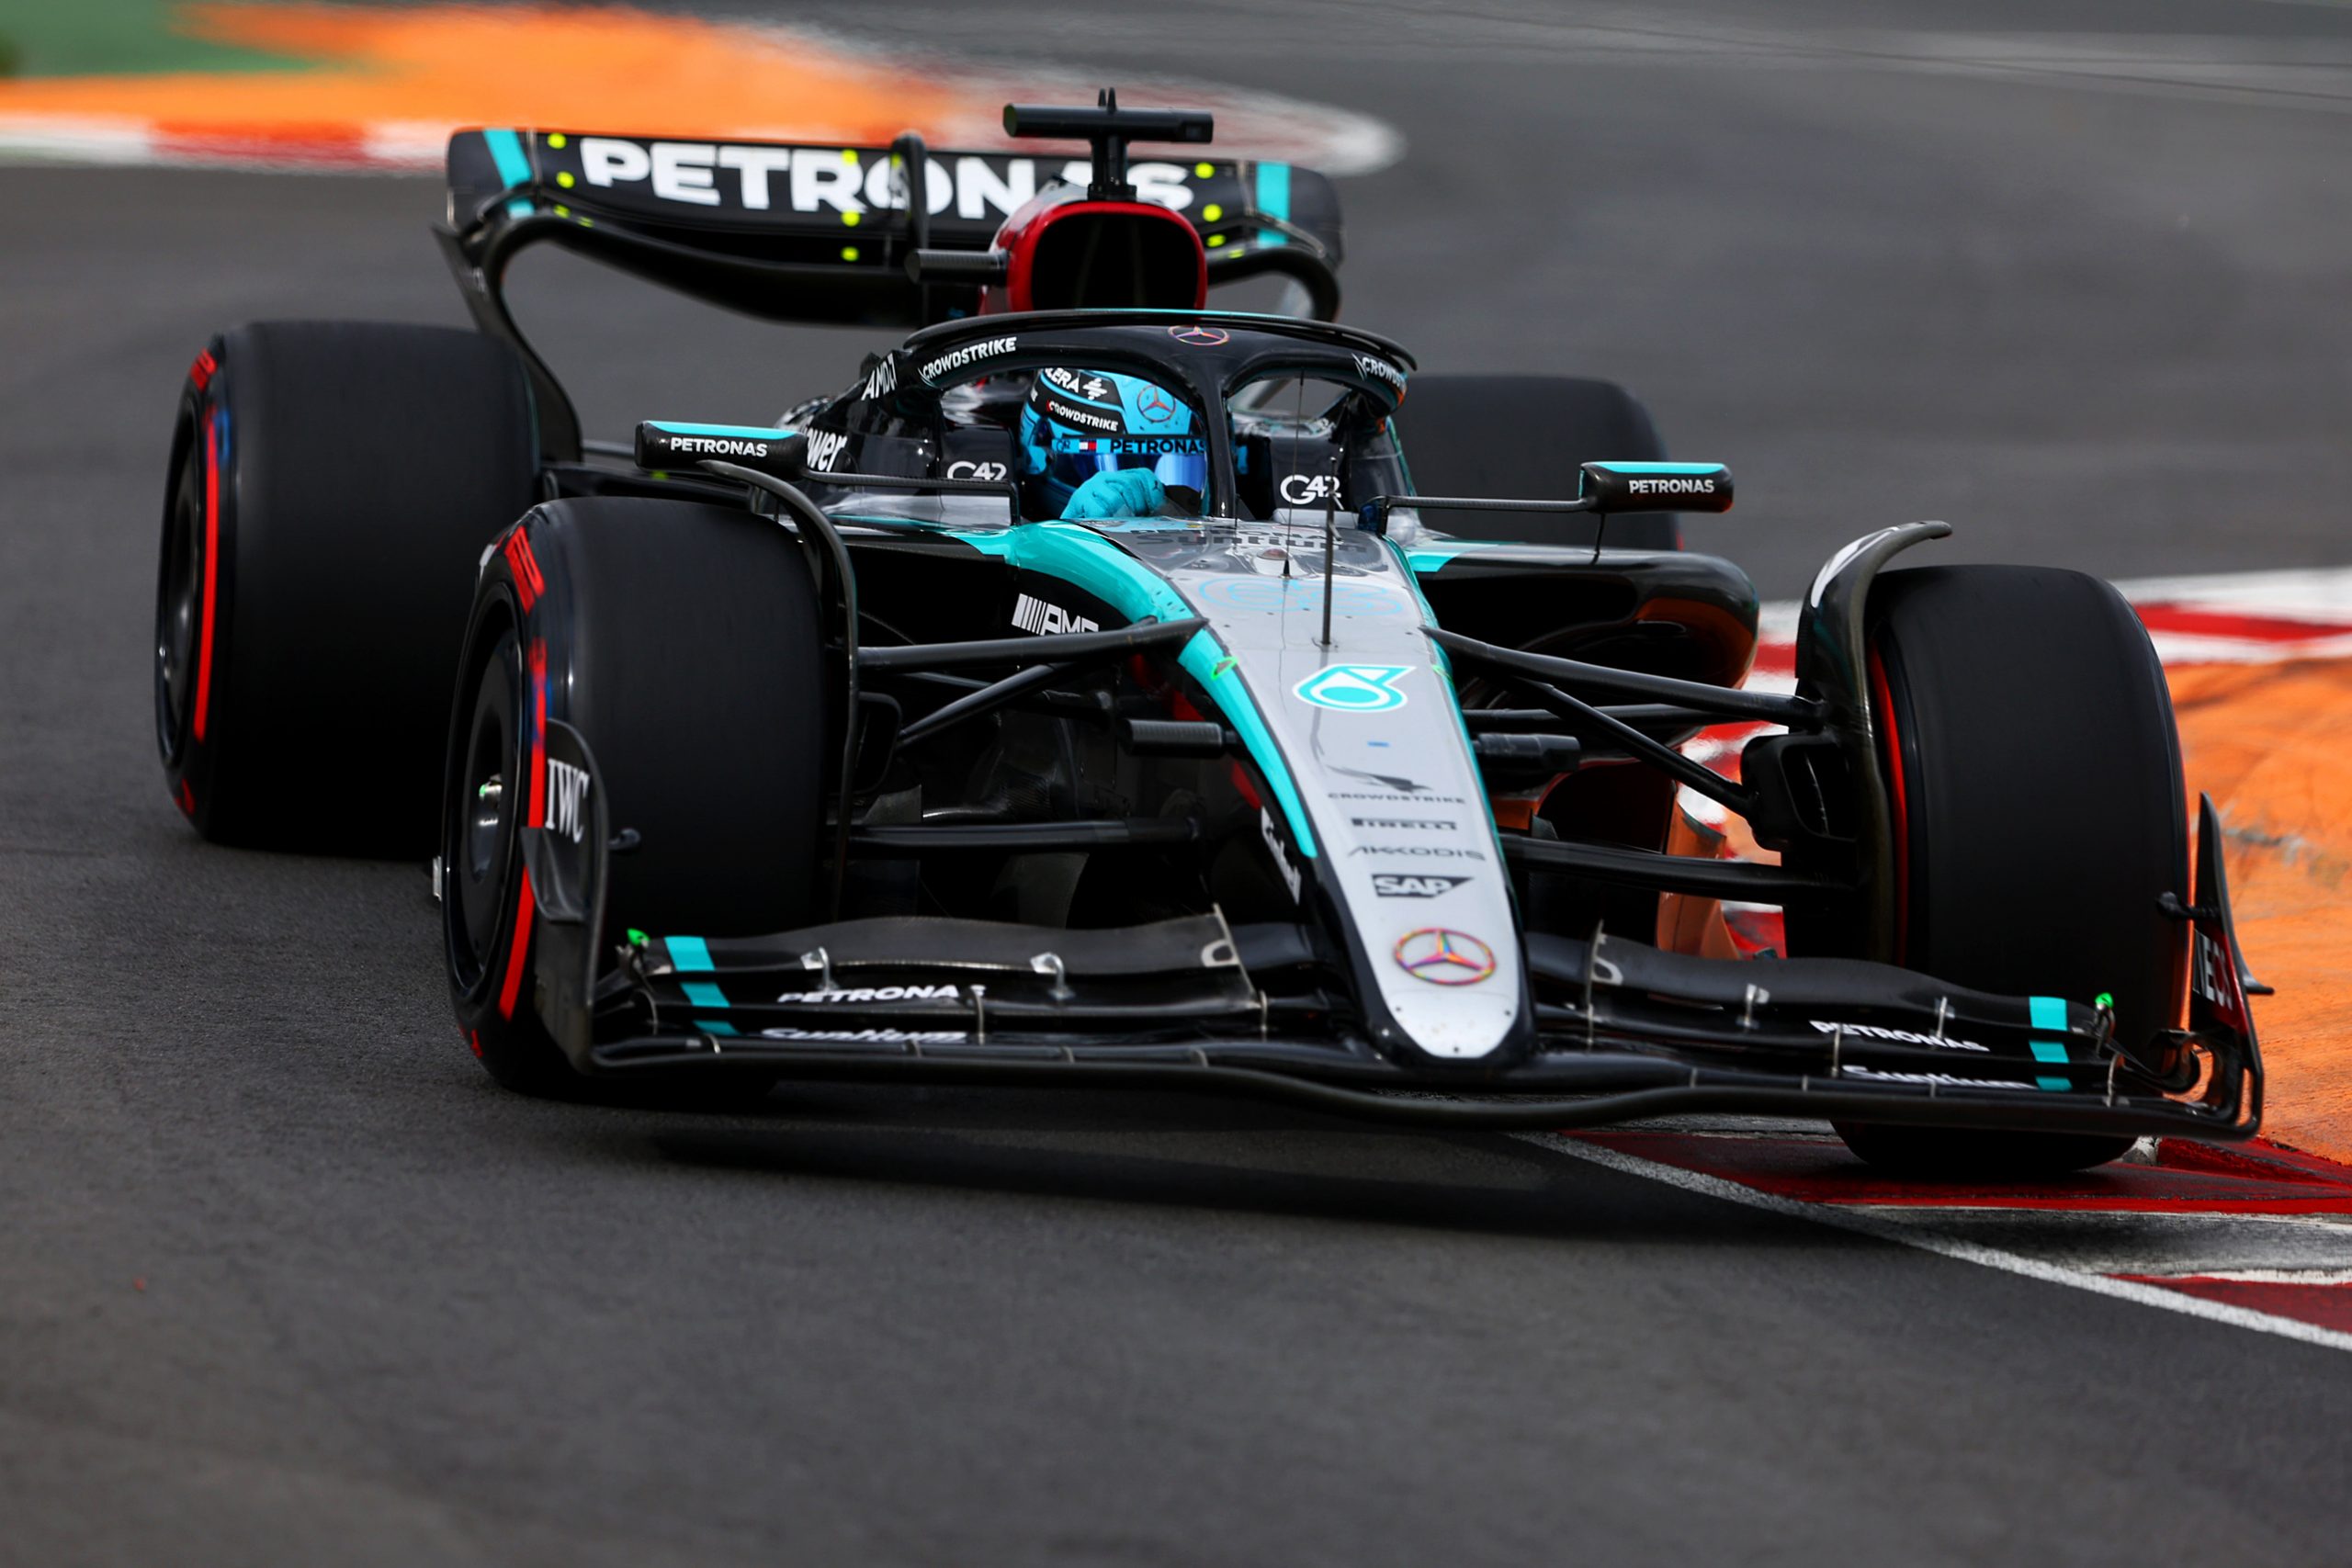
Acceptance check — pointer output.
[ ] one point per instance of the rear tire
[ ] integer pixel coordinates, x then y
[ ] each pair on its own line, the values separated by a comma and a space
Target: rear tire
1526, 437
2039, 811
684, 641
333, 486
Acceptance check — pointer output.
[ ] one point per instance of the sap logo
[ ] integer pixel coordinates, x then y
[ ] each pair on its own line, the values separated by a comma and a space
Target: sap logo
1047, 620
1306, 490
990, 472
885, 380
955, 359
567, 800
1671, 487
874, 994
1381, 370
1291, 879
1391, 884
825, 448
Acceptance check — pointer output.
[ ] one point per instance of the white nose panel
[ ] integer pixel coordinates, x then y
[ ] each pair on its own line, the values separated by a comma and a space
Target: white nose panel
1378, 758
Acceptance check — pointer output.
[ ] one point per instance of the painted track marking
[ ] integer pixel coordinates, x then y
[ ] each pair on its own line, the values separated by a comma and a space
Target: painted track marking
2164, 1298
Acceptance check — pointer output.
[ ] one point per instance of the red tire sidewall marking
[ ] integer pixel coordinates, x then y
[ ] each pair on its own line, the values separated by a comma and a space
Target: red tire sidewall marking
1898, 799
535, 715
212, 421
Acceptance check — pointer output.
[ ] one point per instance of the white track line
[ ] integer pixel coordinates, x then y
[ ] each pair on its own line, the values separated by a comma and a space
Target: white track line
1966, 1251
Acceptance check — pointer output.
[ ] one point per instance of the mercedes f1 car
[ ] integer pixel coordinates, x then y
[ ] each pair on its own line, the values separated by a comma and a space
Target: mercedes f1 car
1106, 690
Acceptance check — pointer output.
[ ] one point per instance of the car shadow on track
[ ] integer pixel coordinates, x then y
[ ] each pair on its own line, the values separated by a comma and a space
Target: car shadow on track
1181, 1152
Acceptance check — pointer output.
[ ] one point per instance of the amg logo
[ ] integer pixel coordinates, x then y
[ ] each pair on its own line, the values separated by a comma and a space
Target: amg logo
1395, 885
1406, 824
955, 359
567, 800
1671, 487
1902, 1036
825, 449
875, 993
1046, 620
885, 380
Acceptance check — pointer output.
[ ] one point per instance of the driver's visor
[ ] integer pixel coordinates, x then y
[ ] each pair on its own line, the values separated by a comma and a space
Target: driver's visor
1180, 462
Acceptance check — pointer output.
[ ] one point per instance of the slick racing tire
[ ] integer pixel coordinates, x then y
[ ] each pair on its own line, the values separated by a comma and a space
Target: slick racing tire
2034, 775
682, 641
1526, 437
332, 485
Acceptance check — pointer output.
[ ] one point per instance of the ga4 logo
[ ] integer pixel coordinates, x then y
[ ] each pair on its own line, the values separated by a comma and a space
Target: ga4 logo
1355, 688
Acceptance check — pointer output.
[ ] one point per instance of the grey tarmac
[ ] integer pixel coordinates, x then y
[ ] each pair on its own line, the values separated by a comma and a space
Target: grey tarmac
283, 1278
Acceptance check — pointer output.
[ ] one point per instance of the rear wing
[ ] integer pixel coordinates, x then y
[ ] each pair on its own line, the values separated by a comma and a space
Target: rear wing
823, 232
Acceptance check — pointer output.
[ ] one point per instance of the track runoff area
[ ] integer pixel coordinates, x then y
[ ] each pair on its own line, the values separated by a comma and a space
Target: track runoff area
2258, 1236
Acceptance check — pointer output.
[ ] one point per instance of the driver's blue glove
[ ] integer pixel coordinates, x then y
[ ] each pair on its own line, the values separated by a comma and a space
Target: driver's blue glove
1116, 492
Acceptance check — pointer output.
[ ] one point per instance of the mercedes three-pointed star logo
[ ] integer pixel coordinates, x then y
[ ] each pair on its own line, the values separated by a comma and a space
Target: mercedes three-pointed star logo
1199, 336
1445, 957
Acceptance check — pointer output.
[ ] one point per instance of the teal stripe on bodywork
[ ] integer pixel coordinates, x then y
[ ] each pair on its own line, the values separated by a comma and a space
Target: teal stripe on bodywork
715, 1026
1429, 557
687, 953
2049, 1012
703, 994
732, 431
1085, 559
1616, 467
514, 166
1200, 659
1273, 200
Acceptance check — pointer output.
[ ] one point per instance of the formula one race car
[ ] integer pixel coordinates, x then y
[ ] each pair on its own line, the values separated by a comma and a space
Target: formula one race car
1104, 690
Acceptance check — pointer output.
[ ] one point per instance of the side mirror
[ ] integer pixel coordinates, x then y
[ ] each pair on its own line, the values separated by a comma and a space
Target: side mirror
1656, 487
662, 445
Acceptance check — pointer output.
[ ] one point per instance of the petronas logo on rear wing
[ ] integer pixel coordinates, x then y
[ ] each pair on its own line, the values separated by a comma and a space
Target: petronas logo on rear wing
833, 191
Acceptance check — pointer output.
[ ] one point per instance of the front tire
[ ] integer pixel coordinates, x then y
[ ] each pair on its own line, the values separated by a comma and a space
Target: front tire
2034, 771
684, 641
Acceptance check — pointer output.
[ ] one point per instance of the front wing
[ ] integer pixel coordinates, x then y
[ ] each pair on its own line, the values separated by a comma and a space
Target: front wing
1625, 1030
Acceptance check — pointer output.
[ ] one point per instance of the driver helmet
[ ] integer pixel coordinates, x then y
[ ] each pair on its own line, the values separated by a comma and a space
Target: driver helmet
1078, 424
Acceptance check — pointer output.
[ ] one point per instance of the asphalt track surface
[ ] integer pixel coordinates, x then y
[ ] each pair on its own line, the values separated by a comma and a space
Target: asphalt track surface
284, 1278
